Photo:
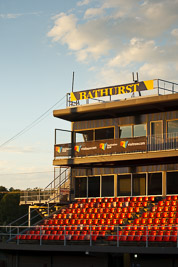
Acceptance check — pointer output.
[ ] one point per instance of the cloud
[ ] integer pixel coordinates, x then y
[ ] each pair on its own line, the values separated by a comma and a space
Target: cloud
83, 3
19, 150
17, 15
174, 32
10, 16
80, 38
93, 12
138, 50
122, 36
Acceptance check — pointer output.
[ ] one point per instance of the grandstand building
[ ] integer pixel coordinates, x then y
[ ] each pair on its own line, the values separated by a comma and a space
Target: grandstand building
122, 164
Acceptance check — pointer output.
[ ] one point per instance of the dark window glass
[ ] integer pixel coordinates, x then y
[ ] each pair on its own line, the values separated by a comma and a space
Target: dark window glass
84, 136
81, 187
139, 130
154, 183
172, 182
108, 186
156, 128
139, 184
172, 128
94, 186
124, 185
125, 131
105, 133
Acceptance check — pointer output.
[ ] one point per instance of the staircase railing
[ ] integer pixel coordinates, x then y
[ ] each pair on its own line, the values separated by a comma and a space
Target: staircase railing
33, 214
51, 190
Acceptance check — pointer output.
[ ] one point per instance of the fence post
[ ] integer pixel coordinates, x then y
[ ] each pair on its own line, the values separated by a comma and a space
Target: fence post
10, 232
146, 236
65, 235
18, 236
40, 237
90, 237
48, 208
117, 236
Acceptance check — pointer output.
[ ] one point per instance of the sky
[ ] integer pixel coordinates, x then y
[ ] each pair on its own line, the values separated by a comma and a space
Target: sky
42, 42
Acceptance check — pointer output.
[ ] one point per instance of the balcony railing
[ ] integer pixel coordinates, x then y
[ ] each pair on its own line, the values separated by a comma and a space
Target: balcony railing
160, 87
55, 191
117, 235
142, 144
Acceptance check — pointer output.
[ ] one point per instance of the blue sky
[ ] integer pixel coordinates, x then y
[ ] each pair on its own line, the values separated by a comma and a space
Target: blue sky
42, 42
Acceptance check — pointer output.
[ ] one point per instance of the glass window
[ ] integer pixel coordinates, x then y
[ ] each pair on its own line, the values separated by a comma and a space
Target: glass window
81, 187
124, 185
108, 186
94, 186
172, 182
125, 131
139, 184
139, 130
172, 128
156, 128
104, 133
84, 136
155, 183
156, 132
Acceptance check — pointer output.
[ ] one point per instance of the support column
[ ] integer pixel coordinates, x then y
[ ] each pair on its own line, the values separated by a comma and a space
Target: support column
115, 185
29, 215
17, 260
126, 260
164, 183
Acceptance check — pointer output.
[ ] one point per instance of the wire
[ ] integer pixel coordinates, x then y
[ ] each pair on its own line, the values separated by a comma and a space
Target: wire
31, 125
24, 173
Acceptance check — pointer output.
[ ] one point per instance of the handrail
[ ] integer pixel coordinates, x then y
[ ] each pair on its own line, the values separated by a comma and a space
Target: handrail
156, 87
116, 235
161, 142
52, 190
48, 202
56, 178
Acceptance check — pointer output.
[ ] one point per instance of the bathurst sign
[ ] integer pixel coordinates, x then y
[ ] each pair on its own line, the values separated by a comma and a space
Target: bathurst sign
112, 90
104, 147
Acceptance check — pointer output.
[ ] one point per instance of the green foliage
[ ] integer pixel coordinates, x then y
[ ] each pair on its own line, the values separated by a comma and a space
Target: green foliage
9, 206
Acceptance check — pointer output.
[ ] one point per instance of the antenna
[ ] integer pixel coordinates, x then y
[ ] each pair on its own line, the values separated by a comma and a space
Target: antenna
73, 81
133, 76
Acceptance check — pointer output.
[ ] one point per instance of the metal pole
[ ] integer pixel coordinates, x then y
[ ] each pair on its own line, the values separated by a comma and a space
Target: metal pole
18, 237
10, 232
90, 237
146, 236
117, 236
73, 81
55, 136
48, 208
65, 235
29, 216
40, 237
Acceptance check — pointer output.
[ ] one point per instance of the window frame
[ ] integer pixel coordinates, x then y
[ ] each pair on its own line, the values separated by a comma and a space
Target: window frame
167, 127
146, 183
93, 129
161, 182
101, 183
167, 194
132, 129
86, 186
130, 183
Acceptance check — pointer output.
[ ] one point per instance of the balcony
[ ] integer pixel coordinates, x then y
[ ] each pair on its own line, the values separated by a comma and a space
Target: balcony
109, 150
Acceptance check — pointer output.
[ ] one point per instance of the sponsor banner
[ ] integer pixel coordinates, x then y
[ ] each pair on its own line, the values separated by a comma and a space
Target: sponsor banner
112, 90
64, 191
62, 150
103, 147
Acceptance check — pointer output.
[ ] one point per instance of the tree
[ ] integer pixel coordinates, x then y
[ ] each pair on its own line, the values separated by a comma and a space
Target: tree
10, 209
